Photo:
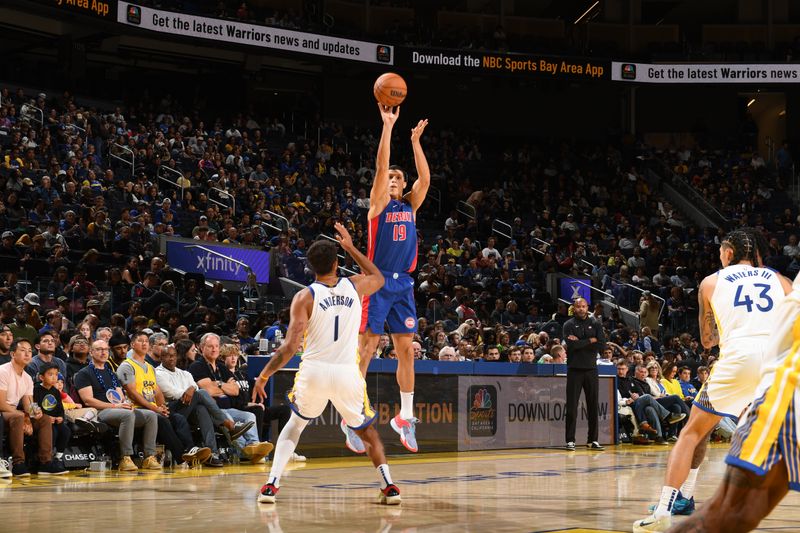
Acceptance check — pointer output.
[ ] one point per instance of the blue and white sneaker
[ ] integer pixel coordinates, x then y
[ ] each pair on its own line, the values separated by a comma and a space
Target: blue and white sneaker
407, 431
682, 506
352, 440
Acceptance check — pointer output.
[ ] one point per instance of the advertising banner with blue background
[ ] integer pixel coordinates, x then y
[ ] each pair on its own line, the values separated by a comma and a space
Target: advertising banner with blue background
217, 266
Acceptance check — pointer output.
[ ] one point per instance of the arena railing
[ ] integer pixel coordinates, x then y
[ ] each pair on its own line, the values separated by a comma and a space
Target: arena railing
284, 226
116, 150
223, 195
165, 169
436, 195
467, 210
502, 228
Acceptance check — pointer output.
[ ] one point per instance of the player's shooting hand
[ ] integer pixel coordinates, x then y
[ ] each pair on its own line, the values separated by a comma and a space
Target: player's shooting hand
343, 236
389, 114
416, 131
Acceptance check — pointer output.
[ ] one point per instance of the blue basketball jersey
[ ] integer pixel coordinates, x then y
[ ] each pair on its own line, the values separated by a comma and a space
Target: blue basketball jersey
393, 238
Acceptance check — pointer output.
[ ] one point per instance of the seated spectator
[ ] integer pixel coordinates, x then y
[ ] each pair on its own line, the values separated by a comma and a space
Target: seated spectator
46, 346
214, 377
187, 399
78, 351
651, 416
21, 418
74, 412
20, 327
669, 371
492, 354
528, 354
186, 352
118, 344
688, 388
47, 395
448, 353
6, 339
94, 382
138, 378
559, 354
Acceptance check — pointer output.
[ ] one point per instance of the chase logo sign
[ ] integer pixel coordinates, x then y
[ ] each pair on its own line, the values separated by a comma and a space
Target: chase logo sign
482, 409
218, 261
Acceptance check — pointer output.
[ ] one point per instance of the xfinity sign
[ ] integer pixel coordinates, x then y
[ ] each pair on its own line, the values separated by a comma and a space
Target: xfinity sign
221, 262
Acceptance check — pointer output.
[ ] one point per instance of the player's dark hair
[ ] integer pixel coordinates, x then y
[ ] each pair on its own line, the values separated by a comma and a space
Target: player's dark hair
322, 256
762, 245
743, 242
400, 169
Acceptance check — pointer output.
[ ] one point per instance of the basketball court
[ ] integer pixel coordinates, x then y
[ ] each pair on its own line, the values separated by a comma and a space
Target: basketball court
511, 490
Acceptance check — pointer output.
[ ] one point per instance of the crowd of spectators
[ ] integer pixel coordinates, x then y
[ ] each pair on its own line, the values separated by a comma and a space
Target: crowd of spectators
81, 258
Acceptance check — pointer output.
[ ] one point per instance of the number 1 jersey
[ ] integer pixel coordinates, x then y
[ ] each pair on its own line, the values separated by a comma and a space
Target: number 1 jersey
745, 302
332, 332
393, 238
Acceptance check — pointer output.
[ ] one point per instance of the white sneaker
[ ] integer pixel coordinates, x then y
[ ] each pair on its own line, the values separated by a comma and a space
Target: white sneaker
652, 524
4, 469
297, 458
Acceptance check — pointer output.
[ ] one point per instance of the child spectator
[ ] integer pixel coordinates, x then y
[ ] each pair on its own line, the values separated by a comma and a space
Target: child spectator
47, 395
85, 417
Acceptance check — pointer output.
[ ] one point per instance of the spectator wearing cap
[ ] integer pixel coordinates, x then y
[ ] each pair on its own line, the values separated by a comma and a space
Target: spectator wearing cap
20, 327
6, 339
118, 349
8, 246
16, 398
46, 348
31, 305
47, 395
93, 307
78, 350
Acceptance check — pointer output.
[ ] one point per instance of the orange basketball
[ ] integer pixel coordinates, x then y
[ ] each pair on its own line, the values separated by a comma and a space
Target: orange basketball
390, 89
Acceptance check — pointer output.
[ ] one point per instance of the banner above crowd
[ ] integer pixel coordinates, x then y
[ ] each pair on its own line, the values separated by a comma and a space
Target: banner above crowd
244, 33
482, 62
705, 72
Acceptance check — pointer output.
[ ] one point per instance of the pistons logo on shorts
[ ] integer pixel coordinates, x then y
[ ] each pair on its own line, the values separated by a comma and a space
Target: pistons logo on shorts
410, 322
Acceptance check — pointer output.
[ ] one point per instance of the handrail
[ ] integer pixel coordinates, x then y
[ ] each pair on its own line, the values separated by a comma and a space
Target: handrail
503, 225
225, 194
690, 191
436, 194
125, 149
340, 256
286, 225
663, 301
467, 210
165, 168
23, 111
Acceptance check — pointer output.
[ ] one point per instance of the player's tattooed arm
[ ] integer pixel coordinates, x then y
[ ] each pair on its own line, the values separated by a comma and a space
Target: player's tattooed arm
709, 334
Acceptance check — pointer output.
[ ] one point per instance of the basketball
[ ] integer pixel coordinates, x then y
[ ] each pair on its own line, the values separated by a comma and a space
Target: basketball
390, 89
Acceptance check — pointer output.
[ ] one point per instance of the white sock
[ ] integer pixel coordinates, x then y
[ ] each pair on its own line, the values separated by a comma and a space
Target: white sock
668, 496
385, 476
406, 405
687, 489
287, 442
59, 455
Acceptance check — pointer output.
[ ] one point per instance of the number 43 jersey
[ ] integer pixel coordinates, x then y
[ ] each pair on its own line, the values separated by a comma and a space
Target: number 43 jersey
332, 332
745, 303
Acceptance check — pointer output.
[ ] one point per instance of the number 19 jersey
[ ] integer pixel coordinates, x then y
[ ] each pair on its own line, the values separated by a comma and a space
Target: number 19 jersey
393, 238
745, 302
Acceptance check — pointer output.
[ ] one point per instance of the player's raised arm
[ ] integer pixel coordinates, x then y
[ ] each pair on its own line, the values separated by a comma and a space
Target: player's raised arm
300, 312
379, 196
420, 189
709, 335
371, 280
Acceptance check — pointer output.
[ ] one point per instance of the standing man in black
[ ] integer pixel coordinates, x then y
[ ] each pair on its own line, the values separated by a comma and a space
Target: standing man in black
585, 339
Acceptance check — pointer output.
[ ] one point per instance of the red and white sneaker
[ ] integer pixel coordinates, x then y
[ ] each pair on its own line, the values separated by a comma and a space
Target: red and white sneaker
390, 495
268, 493
406, 430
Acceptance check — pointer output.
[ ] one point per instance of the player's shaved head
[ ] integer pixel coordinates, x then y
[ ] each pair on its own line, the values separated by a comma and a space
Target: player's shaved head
322, 256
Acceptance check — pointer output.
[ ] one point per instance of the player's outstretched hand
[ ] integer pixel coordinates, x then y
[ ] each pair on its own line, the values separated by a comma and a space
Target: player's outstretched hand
416, 131
259, 394
389, 114
343, 236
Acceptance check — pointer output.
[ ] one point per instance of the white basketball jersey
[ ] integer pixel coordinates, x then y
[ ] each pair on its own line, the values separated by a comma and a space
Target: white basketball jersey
745, 302
332, 332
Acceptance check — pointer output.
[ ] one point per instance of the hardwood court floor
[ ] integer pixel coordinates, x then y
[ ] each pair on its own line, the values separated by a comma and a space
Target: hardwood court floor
514, 490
